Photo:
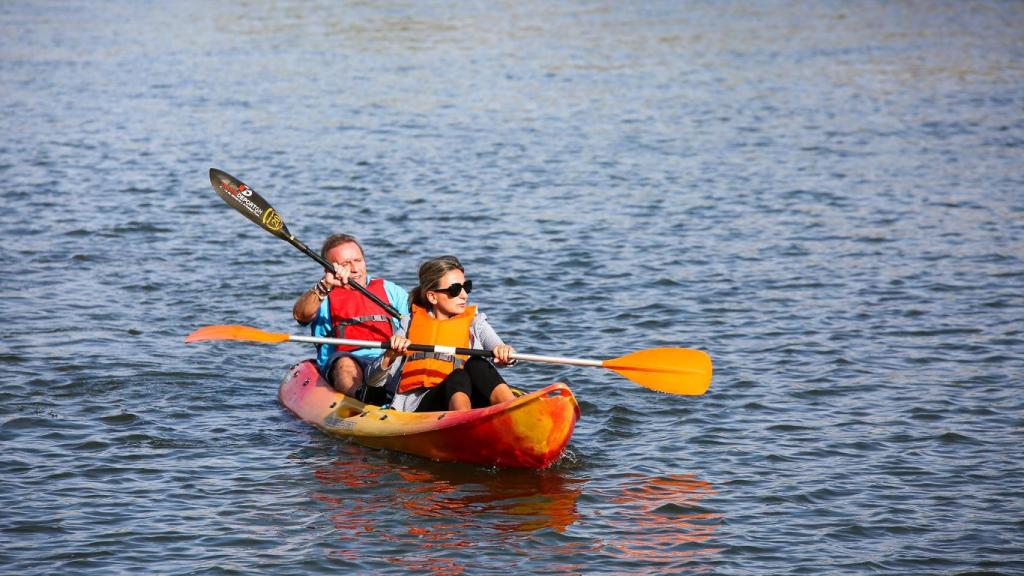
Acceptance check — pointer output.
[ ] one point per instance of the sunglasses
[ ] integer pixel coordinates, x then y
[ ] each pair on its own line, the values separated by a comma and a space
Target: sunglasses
454, 290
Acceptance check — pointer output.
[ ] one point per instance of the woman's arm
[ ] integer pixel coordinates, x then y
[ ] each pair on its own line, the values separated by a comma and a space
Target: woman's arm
486, 338
393, 358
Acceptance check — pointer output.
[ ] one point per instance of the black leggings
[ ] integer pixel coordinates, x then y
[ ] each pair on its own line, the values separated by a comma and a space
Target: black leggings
477, 379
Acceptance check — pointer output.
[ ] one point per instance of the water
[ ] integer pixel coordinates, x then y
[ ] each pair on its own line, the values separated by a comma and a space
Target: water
826, 197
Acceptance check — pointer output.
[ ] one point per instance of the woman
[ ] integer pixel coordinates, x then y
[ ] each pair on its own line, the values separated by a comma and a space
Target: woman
431, 382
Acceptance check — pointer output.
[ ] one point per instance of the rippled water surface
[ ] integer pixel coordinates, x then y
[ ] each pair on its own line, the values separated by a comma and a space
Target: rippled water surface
827, 197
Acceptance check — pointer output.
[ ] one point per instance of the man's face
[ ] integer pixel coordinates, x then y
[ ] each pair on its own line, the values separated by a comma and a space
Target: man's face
349, 254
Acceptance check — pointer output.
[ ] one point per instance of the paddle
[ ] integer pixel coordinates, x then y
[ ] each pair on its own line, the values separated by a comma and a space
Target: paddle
255, 208
671, 370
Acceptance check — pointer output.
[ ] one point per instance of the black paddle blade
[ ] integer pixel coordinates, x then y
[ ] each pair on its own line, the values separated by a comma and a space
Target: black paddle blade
248, 202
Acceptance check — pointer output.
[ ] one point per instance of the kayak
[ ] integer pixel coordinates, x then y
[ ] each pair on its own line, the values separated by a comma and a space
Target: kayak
530, 431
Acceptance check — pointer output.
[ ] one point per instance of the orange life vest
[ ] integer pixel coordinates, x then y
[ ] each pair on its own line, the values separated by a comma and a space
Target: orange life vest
426, 370
356, 317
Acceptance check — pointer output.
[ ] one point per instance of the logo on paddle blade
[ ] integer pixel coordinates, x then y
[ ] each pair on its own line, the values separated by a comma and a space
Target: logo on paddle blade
272, 221
241, 194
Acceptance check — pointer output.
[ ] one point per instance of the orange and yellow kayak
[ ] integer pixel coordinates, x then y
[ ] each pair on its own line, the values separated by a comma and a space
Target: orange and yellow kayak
528, 432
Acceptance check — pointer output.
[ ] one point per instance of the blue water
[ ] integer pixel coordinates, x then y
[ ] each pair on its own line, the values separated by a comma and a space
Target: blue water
826, 197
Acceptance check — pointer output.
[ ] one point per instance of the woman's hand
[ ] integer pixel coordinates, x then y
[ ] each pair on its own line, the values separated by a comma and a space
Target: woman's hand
502, 354
397, 346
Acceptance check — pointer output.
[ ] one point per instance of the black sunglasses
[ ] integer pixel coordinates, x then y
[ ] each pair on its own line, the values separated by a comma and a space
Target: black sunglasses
454, 290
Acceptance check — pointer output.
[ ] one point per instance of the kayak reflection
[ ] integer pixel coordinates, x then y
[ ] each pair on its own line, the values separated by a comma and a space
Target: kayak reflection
658, 523
438, 506
662, 521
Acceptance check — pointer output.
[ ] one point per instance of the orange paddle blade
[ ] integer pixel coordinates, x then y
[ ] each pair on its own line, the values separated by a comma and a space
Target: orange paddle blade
234, 332
671, 370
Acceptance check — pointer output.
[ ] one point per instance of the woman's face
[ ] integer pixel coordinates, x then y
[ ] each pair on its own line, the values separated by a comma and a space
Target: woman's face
446, 306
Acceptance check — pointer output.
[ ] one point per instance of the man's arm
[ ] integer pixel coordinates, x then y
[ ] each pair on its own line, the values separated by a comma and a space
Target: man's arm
307, 304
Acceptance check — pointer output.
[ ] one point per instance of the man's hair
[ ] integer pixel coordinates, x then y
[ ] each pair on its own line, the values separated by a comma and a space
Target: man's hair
338, 240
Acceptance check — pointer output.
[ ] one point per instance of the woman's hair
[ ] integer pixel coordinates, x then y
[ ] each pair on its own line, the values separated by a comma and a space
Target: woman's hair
338, 240
431, 273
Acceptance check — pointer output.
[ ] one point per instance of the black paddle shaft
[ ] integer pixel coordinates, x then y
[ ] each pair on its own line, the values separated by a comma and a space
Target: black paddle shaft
458, 351
251, 205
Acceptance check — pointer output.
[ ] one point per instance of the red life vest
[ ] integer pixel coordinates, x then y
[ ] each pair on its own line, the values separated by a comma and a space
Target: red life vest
426, 370
356, 317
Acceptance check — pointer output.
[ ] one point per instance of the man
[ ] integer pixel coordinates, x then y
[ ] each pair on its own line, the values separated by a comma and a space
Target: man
332, 308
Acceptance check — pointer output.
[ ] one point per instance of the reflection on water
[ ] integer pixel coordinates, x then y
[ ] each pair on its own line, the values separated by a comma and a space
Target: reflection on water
662, 521
528, 500
440, 518
433, 508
